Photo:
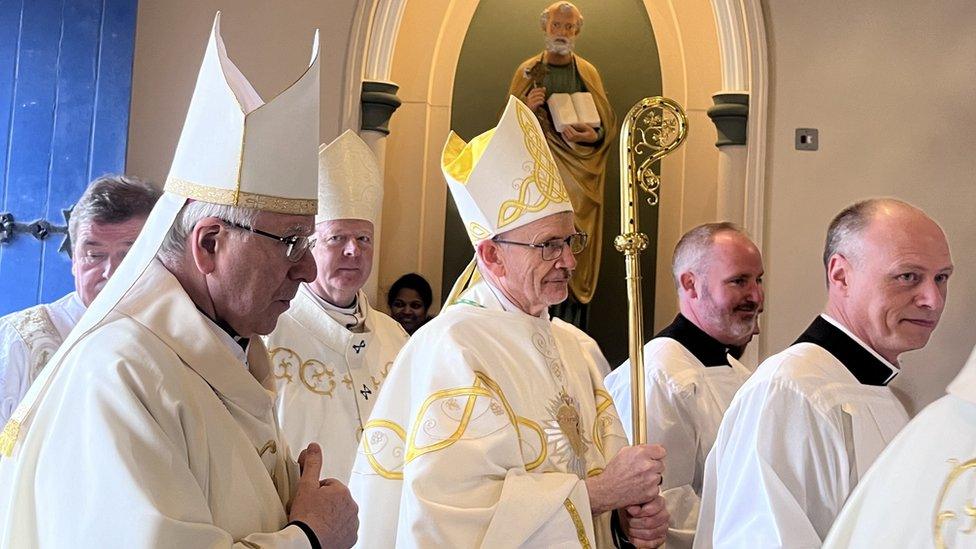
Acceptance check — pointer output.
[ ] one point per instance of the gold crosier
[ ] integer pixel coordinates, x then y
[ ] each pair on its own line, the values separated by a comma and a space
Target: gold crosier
653, 128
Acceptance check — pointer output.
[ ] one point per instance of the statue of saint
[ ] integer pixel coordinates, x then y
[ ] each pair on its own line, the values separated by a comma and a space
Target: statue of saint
581, 149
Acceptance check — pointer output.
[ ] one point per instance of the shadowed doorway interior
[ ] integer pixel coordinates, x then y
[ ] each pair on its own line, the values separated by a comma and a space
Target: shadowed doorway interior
618, 40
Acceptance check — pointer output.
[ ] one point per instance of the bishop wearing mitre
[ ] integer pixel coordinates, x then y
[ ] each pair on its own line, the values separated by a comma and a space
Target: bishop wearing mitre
493, 428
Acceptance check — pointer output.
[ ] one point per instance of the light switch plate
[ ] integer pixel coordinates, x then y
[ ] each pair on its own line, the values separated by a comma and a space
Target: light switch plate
807, 139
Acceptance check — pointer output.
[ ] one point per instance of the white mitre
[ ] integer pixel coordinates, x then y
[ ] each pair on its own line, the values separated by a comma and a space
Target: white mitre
235, 150
504, 178
350, 184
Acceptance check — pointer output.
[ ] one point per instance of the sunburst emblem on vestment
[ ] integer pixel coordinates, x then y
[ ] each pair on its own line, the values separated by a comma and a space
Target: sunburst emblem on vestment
564, 433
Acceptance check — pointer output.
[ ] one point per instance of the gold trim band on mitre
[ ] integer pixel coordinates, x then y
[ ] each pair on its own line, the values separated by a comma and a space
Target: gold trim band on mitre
242, 199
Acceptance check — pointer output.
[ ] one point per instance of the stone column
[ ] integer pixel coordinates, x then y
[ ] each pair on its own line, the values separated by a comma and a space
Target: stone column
378, 101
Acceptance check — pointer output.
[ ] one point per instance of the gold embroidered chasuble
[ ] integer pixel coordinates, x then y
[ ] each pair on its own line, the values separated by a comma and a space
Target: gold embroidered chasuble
159, 428
483, 435
583, 169
328, 378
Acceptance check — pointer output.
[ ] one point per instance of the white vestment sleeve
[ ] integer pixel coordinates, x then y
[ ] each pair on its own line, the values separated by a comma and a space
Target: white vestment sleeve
14, 370
782, 472
115, 468
671, 423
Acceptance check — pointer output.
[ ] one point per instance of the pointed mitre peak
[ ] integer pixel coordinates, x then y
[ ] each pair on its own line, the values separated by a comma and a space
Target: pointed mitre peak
506, 177
237, 150
350, 182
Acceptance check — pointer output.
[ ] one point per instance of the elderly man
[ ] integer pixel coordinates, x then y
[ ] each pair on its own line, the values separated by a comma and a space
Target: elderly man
493, 428
811, 420
689, 373
158, 411
104, 223
580, 150
919, 493
331, 351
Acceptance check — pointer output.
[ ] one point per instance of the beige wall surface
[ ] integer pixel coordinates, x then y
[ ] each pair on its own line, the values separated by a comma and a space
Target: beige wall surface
269, 41
890, 87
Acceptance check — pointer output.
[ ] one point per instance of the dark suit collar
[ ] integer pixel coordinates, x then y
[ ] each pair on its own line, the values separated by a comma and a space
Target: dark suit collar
708, 350
859, 361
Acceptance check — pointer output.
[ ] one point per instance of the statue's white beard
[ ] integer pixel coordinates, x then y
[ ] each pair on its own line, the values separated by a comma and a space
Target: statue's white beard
560, 45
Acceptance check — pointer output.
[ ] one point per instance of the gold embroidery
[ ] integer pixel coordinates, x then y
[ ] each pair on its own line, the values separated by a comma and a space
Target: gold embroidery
944, 516
543, 184
270, 445
242, 199
564, 433
9, 437
347, 381
594, 472
578, 522
543, 446
35, 328
601, 421
477, 232
383, 373
284, 365
378, 438
314, 374
472, 393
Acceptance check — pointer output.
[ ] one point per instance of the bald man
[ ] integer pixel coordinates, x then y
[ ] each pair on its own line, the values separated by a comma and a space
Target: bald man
811, 420
690, 374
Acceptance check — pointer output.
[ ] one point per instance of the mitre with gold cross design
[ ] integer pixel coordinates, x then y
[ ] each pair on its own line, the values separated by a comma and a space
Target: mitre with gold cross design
504, 178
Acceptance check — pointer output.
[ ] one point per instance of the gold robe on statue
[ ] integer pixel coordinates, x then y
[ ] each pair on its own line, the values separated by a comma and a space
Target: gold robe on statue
583, 169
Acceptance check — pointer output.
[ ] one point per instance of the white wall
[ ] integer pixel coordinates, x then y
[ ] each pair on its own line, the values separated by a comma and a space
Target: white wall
890, 86
269, 41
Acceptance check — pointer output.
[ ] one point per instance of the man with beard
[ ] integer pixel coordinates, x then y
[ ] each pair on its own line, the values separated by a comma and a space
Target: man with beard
154, 424
331, 351
807, 425
103, 225
581, 151
494, 428
689, 375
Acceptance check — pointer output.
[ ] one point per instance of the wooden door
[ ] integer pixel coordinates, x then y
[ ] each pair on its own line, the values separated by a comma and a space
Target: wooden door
65, 80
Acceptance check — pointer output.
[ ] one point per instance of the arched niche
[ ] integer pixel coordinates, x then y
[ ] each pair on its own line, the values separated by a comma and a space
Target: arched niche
705, 47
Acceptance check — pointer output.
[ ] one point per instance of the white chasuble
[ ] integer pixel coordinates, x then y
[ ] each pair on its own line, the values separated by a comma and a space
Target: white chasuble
689, 382
328, 377
28, 339
920, 492
484, 433
152, 433
795, 440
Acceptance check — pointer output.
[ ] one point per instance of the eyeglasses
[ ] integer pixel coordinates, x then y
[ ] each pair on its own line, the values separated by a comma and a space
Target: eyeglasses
297, 245
553, 249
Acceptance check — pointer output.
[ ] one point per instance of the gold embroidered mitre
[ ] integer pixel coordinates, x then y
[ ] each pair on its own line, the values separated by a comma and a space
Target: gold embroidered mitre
350, 184
504, 178
237, 150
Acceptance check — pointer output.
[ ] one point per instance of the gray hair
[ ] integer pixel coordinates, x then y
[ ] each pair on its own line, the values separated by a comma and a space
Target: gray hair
692, 249
843, 234
563, 7
174, 244
113, 198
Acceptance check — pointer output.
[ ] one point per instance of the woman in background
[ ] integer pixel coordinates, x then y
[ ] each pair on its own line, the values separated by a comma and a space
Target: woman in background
409, 299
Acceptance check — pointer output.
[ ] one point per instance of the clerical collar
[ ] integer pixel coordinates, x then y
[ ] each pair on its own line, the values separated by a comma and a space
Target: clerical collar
708, 350
235, 343
863, 362
351, 317
224, 329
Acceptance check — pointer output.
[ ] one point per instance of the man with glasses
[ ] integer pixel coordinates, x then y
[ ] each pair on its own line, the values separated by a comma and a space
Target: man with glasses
690, 374
103, 225
493, 427
155, 425
331, 350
